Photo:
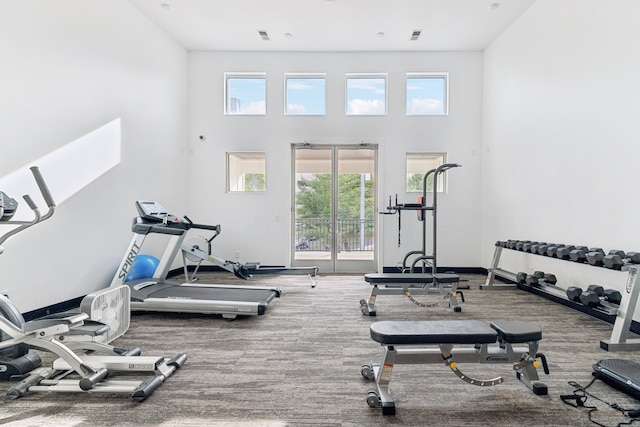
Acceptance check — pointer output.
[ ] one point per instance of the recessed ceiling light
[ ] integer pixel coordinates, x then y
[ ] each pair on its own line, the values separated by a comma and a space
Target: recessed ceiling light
165, 6
380, 34
263, 35
494, 6
288, 35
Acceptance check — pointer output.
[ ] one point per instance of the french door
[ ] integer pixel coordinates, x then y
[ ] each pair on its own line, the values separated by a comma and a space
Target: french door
334, 200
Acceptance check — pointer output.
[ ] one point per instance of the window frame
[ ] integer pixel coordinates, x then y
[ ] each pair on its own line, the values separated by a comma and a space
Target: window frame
305, 76
229, 168
442, 184
365, 76
243, 75
428, 75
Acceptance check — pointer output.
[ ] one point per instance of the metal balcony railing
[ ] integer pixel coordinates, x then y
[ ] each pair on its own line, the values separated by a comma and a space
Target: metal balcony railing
354, 234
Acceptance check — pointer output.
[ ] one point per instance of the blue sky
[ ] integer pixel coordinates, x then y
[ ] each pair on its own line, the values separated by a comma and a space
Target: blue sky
425, 95
306, 96
251, 93
364, 95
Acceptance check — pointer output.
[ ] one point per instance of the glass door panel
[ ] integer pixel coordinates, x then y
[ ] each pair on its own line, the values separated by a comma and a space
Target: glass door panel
334, 221
313, 232
355, 205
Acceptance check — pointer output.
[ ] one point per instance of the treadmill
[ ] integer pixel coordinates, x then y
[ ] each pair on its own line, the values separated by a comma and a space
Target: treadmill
156, 293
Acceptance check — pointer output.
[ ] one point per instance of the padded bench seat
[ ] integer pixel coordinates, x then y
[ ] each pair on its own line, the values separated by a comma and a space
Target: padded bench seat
396, 278
516, 331
433, 332
415, 332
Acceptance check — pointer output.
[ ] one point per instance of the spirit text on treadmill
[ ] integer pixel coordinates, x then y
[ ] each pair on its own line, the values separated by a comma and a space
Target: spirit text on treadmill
129, 261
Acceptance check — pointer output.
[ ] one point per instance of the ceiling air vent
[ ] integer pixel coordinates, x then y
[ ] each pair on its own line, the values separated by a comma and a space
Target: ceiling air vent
263, 34
415, 35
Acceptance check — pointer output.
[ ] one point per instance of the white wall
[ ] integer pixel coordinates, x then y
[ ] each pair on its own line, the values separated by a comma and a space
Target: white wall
248, 220
560, 134
68, 67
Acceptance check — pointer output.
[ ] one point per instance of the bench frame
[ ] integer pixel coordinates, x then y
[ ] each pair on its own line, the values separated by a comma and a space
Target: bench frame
523, 355
410, 284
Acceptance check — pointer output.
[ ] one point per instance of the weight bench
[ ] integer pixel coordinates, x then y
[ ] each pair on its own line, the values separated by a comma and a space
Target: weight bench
410, 284
405, 341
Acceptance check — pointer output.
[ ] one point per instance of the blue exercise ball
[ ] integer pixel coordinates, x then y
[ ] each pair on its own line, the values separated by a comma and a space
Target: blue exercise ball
143, 267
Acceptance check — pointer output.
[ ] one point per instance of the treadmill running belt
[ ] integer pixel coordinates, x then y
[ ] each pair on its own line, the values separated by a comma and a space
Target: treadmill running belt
205, 293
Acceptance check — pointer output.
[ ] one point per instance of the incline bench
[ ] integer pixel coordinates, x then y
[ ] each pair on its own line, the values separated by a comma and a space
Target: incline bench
402, 341
412, 283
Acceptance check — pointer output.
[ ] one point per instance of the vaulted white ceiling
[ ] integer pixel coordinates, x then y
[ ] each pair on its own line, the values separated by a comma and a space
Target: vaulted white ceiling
333, 25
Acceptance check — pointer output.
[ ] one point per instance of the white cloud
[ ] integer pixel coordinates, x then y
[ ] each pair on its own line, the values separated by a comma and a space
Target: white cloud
366, 107
296, 109
419, 106
256, 107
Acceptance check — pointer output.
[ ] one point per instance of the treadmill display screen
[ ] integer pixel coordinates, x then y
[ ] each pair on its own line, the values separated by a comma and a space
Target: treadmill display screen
154, 212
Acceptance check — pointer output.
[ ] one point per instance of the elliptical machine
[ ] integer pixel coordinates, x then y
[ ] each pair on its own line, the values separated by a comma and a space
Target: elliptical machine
16, 361
78, 341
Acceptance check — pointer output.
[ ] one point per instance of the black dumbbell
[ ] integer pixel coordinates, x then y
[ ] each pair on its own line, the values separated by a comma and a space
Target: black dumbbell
535, 246
573, 293
532, 280
540, 278
589, 297
579, 254
595, 294
547, 278
595, 256
542, 249
618, 259
612, 296
551, 250
564, 251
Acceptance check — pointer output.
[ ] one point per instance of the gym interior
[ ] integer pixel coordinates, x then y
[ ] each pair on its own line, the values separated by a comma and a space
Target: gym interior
114, 105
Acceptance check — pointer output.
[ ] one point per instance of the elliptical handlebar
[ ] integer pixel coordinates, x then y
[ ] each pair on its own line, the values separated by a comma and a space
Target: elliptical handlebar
44, 190
46, 194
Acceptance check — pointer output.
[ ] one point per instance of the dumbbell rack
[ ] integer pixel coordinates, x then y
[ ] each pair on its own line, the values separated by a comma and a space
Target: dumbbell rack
495, 271
623, 319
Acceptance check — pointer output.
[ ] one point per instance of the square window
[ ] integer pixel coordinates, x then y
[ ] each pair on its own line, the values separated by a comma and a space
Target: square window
418, 164
427, 94
366, 95
246, 172
305, 95
245, 94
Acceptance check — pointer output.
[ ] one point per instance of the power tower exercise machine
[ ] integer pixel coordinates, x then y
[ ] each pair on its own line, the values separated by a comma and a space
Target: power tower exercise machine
415, 279
156, 293
71, 335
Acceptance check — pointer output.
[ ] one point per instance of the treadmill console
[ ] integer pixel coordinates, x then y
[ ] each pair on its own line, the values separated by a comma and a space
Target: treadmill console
154, 212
